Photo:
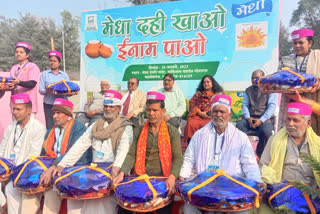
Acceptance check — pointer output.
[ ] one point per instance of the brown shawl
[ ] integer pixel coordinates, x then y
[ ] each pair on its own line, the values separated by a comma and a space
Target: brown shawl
114, 130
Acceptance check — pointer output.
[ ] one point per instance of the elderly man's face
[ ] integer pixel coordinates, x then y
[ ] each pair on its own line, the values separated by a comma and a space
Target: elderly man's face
132, 84
296, 125
104, 85
220, 116
60, 119
111, 112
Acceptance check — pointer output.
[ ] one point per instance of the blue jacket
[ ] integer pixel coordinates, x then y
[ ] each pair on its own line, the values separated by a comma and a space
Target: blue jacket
77, 130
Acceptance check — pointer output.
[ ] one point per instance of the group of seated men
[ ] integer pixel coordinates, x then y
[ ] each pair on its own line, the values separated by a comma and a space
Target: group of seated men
134, 100
153, 148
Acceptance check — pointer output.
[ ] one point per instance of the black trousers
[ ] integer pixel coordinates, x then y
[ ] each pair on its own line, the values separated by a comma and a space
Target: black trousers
48, 115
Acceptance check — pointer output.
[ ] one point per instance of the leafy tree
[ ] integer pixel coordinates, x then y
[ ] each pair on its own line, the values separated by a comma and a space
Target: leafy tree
285, 46
37, 31
307, 15
70, 28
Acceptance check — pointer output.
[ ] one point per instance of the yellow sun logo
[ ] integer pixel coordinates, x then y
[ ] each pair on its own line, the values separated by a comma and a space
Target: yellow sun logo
251, 38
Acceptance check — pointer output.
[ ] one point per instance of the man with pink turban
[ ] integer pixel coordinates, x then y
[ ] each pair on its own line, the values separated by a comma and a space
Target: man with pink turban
219, 145
281, 157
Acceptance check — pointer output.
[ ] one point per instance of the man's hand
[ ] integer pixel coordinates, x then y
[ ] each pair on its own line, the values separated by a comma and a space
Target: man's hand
10, 86
46, 177
256, 123
57, 171
4, 178
129, 115
166, 117
115, 172
249, 119
297, 97
261, 184
181, 178
315, 86
90, 114
118, 179
170, 184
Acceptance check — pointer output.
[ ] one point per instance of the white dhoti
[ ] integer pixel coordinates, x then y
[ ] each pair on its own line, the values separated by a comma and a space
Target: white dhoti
103, 205
52, 202
188, 209
3, 200
19, 203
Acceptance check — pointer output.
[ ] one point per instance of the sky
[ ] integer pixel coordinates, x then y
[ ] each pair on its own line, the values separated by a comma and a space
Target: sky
12, 8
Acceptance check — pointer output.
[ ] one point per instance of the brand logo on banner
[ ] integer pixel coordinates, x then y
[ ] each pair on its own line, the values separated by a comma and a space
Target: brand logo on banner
251, 8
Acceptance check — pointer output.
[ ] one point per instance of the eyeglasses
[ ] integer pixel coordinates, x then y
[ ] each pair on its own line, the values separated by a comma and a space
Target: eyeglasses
167, 80
131, 83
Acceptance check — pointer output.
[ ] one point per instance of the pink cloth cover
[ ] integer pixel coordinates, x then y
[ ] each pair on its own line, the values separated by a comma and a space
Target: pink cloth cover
222, 99
299, 108
112, 98
154, 95
55, 53
20, 98
297, 34
23, 44
62, 102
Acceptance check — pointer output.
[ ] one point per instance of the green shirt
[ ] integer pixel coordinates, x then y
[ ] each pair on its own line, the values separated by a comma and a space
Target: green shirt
175, 102
153, 164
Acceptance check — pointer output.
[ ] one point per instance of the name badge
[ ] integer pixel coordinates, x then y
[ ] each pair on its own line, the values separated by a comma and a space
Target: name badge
99, 155
212, 167
12, 155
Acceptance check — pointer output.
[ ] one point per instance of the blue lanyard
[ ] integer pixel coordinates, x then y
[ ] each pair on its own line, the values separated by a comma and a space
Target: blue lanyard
301, 63
215, 143
14, 139
17, 74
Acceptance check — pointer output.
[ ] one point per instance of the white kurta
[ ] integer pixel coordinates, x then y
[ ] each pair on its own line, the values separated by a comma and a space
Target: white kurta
29, 143
102, 152
236, 157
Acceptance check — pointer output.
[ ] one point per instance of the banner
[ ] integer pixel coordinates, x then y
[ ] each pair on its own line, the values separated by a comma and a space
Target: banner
188, 38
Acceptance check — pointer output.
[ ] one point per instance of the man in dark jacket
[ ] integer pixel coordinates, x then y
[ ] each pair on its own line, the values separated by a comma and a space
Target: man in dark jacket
257, 110
58, 141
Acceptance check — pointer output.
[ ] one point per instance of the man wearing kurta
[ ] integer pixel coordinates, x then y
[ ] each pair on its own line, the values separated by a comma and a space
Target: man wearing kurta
110, 138
280, 159
93, 109
220, 145
22, 139
156, 148
175, 102
58, 141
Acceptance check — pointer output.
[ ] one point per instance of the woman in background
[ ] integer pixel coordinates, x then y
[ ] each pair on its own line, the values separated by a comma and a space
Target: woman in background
304, 59
200, 105
25, 75
48, 77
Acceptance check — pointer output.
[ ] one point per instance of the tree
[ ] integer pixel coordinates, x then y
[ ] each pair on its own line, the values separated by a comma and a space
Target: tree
285, 46
37, 31
70, 28
307, 15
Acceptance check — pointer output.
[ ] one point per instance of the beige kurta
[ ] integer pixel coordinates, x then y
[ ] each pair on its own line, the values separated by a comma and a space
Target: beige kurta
294, 167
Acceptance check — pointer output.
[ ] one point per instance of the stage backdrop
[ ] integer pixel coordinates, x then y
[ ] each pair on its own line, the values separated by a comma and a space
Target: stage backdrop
189, 39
